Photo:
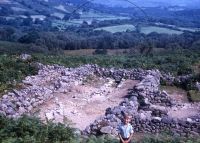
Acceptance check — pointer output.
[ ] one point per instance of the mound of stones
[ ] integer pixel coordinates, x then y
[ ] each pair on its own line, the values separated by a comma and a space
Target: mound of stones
41, 87
50, 79
147, 105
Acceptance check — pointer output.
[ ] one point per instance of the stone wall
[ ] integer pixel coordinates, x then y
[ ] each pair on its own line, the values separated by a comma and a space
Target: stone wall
147, 105
50, 79
41, 87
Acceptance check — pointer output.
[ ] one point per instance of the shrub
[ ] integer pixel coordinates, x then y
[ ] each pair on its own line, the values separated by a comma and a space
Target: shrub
31, 130
100, 52
13, 70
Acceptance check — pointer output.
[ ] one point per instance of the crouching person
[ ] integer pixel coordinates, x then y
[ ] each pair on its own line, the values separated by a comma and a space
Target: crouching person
125, 130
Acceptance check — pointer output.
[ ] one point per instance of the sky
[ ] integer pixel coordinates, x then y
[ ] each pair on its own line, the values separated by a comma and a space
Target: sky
187, 3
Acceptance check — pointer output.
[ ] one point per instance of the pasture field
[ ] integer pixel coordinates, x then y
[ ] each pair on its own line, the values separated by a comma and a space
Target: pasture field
180, 28
111, 52
189, 29
150, 29
118, 28
88, 17
90, 52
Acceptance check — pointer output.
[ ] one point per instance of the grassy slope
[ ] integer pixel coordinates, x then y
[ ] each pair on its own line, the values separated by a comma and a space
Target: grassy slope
149, 29
118, 28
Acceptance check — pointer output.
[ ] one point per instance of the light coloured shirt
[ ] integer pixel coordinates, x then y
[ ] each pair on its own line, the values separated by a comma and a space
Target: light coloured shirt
125, 130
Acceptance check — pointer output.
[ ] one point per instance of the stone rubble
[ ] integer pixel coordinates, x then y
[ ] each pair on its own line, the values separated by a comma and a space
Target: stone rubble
41, 88
147, 105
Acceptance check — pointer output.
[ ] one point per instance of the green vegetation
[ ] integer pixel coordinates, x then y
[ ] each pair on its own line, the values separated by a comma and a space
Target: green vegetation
17, 48
194, 96
12, 71
177, 62
32, 130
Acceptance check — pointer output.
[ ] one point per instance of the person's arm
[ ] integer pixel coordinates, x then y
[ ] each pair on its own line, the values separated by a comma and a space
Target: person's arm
129, 139
120, 137
131, 134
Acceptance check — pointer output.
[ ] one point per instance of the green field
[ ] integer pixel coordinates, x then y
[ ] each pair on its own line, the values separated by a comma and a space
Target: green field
189, 29
150, 29
118, 28
88, 17
180, 28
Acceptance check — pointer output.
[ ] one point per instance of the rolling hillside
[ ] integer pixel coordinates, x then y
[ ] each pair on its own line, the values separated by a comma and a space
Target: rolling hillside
151, 3
36, 8
59, 12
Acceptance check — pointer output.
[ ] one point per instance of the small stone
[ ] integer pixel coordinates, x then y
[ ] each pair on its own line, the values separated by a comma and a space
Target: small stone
156, 119
25, 57
49, 116
10, 111
22, 110
2, 113
29, 108
74, 112
5, 96
189, 120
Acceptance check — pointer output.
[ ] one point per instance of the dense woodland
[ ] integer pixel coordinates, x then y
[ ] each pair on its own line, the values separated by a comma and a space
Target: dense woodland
86, 38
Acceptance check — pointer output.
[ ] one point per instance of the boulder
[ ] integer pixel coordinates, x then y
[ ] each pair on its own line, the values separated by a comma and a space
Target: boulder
106, 130
25, 57
166, 120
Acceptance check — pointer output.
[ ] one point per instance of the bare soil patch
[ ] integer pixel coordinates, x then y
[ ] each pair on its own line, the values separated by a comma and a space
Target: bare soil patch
186, 109
85, 103
176, 93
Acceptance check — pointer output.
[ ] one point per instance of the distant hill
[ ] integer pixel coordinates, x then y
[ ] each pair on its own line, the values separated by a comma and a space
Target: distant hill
151, 3
38, 9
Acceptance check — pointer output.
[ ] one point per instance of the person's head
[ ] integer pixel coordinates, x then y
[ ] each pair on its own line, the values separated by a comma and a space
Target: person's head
126, 119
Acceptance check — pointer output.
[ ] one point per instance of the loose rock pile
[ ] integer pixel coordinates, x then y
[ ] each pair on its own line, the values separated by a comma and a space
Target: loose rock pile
41, 87
148, 106
51, 79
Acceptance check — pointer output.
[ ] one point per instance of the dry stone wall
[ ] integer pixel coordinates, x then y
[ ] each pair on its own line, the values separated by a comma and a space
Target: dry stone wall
51, 79
41, 87
147, 105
